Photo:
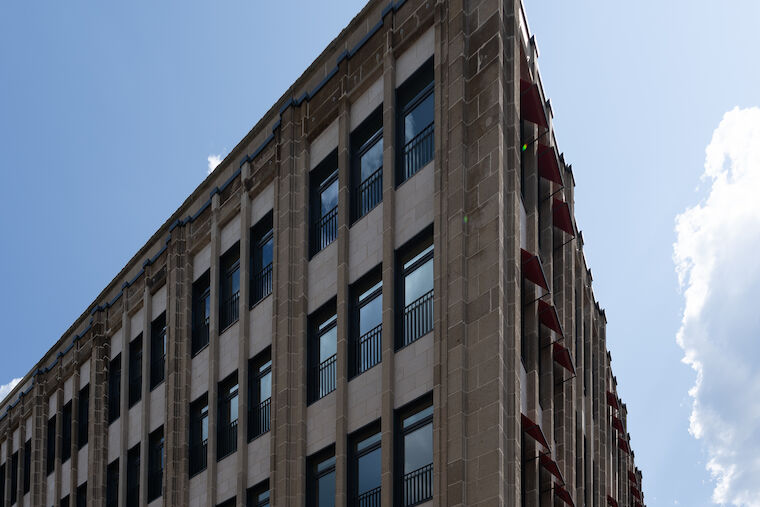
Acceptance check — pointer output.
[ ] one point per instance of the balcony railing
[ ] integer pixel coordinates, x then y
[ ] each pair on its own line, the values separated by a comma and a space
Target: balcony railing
200, 335
370, 193
369, 498
418, 485
155, 484
262, 284
135, 390
260, 419
157, 370
229, 312
369, 350
326, 230
418, 152
323, 378
227, 441
198, 457
418, 318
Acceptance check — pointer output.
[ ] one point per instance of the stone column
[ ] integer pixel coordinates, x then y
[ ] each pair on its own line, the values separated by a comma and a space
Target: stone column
213, 337
146, 381
39, 428
74, 475
98, 427
126, 338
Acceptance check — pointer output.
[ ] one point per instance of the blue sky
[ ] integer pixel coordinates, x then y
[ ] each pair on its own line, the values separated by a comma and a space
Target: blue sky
109, 112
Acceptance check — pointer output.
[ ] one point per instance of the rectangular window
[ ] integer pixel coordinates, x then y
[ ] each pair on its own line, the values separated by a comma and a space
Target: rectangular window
27, 466
82, 495
157, 350
198, 435
155, 463
365, 341
228, 417
114, 389
320, 479
258, 496
2, 484
66, 433
14, 477
260, 393
322, 348
133, 476
135, 370
201, 312
365, 468
228, 503
112, 484
51, 445
416, 115
323, 181
262, 252
415, 289
229, 294
367, 165
415, 452
84, 416
65, 501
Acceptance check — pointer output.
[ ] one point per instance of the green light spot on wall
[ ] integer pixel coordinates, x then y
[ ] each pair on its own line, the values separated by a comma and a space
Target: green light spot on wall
524, 147
465, 219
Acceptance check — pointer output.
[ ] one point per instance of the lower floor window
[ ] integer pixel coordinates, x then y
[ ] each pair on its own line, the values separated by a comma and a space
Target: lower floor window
320, 470
415, 452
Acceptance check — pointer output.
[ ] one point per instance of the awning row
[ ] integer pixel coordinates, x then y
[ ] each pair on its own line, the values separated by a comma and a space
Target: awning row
531, 105
545, 460
611, 501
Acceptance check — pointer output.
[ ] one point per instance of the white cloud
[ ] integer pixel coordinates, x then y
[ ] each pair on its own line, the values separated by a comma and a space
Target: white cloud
213, 161
6, 388
717, 256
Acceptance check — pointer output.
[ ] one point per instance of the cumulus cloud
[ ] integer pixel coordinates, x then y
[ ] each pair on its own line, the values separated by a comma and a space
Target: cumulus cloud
6, 388
213, 161
717, 257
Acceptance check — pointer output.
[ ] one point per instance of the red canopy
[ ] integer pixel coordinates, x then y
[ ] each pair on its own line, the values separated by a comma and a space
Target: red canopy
561, 216
635, 493
611, 501
548, 166
534, 430
612, 400
563, 358
533, 271
624, 446
563, 495
617, 424
547, 314
531, 106
549, 464
631, 476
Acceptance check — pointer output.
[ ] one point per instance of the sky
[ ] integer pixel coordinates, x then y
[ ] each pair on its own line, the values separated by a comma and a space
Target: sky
112, 113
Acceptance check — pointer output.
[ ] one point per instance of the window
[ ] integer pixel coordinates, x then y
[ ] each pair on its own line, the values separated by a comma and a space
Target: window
322, 348
201, 312
112, 484
365, 342
365, 468
51, 445
260, 392
198, 435
157, 350
84, 416
367, 165
228, 416
82, 495
415, 452
27, 466
324, 203
135, 370
415, 265
229, 295
155, 463
228, 503
262, 251
258, 496
66, 433
2, 484
415, 122
14, 477
320, 477
114, 388
133, 476
65, 501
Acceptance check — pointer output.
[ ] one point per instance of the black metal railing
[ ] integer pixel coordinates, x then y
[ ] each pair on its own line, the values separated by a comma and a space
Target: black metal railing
418, 318
326, 229
230, 311
260, 419
369, 350
227, 439
198, 457
418, 151
369, 498
135, 390
133, 494
112, 496
418, 485
370, 193
157, 370
200, 335
323, 378
155, 484
262, 284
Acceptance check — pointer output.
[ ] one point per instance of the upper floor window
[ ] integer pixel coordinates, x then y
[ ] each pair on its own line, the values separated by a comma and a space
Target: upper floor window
201, 312
198, 435
2, 483
112, 484
416, 123
84, 416
228, 503
367, 165
228, 416
323, 181
157, 350
322, 349
258, 496
14, 477
66, 432
260, 392
365, 469
415, 266
114, 388
320, 479
262, 251
415, 452
51, 445
133, 476
155, 463
135, 370
27, 466
65, 501
229, 295
365, 343
82, 495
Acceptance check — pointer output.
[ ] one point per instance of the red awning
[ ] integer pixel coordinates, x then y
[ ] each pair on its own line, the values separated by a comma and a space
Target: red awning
631, 476
617, 424
563, 495
624, 446
561, 217
548, 165
547, 314
551, 466
534, 430
531, 106
611, 501
612, 400
533, 271
635, 493
563, 358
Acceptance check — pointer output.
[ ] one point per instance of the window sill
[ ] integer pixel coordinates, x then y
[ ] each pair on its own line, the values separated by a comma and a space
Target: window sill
221, 458
257, 303
153, 388
256, 437
193, 354
399, 185
229, 326
198, 472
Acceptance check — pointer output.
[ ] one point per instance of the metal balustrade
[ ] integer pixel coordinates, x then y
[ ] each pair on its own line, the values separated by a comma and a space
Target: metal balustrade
260, 420
418, 152
369, 349
198, 457
323, 378
230, 311
155, 484
227, 439
200, 335
157, 370
326, 229
262, 283
418, 485
418, 318
369, 498
370, 193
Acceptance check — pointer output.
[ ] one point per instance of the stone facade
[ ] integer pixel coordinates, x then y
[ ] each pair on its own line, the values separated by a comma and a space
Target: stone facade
497, 363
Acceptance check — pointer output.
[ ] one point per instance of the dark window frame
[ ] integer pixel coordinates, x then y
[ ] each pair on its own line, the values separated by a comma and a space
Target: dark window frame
258, 495
261, 275
51, 439
369, 497
14, 477
200, 313
259, 411
158, 346
424, 306
422, 474
314, 474
156, 462
82, 495
65, 501
2, 484
229, 298
114, 389
198, 446
323, 229
227, 430
112, 484
27, 466
322, 375
83, 419
365, 351
411, 93
366, 194
133, 477
66, 434
134, 373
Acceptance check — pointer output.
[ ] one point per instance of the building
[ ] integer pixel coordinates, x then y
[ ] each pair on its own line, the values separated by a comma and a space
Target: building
379, 297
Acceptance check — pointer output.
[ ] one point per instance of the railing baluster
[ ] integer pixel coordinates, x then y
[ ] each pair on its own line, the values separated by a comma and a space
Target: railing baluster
418, 318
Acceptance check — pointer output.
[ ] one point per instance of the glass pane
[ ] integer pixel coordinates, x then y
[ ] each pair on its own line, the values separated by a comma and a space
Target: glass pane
418, 282
207, 313
418, 448
204, 428
329, 198
368, 442
372, 159
328, 344
327, 463
265, 387
370, 315
326, 490
235, 282
369, 471
234, 407
418, 416
418, 118
266, 253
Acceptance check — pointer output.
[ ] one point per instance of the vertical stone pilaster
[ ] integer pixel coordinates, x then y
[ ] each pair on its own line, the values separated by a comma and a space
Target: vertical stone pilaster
58, 432
213, 334
74, 475
98, 424
126, 338
39, 427
146, 390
